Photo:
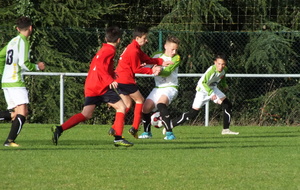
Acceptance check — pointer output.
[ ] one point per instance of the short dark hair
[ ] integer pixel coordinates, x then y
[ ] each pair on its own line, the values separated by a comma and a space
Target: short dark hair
173, 39
23, 22
112, 34
139, 31
220, 56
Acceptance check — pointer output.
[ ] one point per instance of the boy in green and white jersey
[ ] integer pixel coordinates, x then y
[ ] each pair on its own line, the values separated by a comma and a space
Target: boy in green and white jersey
14, 60
206, 90
165, 91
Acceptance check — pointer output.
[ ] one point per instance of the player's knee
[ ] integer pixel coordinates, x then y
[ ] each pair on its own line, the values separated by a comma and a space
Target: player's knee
162, 108
87, 115
226, 104
193, 113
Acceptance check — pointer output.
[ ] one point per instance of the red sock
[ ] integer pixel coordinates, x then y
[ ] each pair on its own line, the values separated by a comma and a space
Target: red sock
74, 120
137, 116
119, 123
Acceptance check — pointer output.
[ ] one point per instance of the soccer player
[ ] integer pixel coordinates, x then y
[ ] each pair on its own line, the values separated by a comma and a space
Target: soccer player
206, 90
131, 62
14, 60
165, 91
100, 88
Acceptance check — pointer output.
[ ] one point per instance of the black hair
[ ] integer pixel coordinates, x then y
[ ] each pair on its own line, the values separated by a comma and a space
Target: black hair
139, 31
112, 34
220, 56
23, 22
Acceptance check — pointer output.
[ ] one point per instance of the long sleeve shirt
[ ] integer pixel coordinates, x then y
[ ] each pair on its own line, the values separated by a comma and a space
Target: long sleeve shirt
101, 72
212, 78
168, 77
130, 63
14, 60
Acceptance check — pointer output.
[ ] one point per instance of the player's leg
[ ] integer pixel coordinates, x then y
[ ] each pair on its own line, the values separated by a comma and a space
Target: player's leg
118, 125
127, 101
200, 99
17, 124
162, 104
186, 116
86, 113
17, 99
139, 100
146, 120
7, 115
227, 111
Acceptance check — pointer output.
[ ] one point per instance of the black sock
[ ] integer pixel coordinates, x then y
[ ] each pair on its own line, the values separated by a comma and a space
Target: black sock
16, 127
165, 116
226, 106
60, 128
147, 122
118, 137
5, 115
185, 117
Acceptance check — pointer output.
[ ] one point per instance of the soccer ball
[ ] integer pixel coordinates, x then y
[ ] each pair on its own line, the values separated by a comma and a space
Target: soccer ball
156, 120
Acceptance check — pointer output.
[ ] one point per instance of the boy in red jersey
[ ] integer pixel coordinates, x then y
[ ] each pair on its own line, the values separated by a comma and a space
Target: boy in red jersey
131, 62
99, 88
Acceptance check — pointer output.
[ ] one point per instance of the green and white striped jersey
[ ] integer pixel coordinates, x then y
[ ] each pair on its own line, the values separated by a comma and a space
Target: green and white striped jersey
168, 77
212, 78
16, 62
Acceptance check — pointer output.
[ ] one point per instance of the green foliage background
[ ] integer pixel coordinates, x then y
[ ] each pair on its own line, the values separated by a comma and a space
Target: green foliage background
259, 36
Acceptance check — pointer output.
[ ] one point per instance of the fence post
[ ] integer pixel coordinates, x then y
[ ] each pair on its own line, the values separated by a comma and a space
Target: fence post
160, 43
61, 103
206, 114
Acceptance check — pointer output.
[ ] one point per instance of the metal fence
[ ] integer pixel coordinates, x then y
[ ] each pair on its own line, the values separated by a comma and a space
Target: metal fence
245, 110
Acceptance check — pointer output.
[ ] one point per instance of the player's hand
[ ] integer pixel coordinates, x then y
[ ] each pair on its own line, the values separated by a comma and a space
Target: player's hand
41, 65
167, 63
156, 70
143, 64
213, 97
113, 85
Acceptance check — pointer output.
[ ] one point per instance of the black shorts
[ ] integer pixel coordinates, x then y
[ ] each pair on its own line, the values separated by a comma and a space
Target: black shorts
127, 89
109, 97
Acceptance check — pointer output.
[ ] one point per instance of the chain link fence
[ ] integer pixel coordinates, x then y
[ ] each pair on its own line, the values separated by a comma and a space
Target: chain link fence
259, 100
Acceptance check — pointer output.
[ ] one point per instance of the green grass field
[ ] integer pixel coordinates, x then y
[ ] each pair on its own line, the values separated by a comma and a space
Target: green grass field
200, 158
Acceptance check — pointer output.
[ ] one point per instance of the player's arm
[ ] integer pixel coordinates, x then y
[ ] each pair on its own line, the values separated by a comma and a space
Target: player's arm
144, 58
169, 69
24, 59
204, 80
136, 62
2, 59
103, 67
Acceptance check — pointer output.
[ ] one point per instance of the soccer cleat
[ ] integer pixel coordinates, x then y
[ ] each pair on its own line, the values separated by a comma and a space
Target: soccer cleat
55, 134
122, 142
164, 131
145, 135
169, 136
11, 144
133, 132
228, 132
111, 132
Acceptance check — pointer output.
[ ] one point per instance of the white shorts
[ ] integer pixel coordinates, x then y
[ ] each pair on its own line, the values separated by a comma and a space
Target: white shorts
202, 97
156, 93
15, 96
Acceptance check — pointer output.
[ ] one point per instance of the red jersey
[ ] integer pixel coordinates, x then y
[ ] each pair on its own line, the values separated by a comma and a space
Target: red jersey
101, 72
130, 63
